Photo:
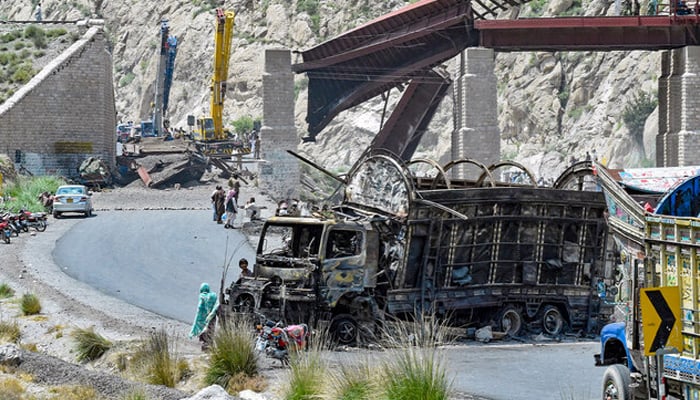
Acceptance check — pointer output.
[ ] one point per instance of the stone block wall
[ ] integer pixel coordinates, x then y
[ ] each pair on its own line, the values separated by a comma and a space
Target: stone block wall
279, 174
476, 135
65, 113
679, 108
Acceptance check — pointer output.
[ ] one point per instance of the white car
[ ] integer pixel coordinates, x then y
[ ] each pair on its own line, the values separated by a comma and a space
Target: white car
72, 198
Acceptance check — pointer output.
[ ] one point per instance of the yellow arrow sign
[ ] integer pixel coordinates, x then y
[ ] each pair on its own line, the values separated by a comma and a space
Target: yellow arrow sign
661, 318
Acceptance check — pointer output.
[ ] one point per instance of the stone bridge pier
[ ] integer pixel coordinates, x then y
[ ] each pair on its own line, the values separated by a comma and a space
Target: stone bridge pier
678, 140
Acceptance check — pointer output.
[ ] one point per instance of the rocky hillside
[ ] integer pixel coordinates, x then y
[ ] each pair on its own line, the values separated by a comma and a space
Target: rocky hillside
552, 106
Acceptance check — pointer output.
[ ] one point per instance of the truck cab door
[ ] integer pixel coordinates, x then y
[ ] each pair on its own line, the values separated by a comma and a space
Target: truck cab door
343, 269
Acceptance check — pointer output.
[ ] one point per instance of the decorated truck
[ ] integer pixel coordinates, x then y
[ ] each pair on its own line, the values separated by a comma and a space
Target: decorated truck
652, 351
479, 252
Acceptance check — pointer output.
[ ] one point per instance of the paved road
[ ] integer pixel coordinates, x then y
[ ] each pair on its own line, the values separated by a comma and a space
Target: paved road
157, 260
153, 259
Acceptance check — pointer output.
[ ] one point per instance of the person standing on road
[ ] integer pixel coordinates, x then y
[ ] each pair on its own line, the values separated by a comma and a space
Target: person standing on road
204, 318
37, 12
231, 208
219, 200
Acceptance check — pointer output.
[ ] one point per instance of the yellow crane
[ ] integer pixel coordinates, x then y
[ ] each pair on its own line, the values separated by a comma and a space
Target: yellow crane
209, 134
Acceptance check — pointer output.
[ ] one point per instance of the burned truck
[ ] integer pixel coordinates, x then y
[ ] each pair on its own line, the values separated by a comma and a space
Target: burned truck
513, 256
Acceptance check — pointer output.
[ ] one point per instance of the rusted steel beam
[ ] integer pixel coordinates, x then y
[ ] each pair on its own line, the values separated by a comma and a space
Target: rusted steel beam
411, 116
602, 38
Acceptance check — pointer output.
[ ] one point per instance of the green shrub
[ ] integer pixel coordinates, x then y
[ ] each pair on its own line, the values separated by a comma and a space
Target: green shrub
19, 45
9, 332
243, 125
24, 192
33, 31
56, 32
24, 54
232, 354
126, 79
636, 113
7, 58
354, 382
39, 53
30, 304
306, 377
6, 291
89, 345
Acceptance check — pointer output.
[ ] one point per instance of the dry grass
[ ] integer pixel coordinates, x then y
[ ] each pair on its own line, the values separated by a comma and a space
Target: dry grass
232, 354
11, 389
30, 304
89, 345
156, 361
9, 332
74, 392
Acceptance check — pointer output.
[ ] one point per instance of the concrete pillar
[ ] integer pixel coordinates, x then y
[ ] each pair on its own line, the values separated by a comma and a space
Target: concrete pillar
476, 133
674, 107
663, 93
279, 174
689, 133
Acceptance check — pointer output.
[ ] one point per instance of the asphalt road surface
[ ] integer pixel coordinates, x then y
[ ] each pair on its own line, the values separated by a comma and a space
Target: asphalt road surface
157, 259
152, 259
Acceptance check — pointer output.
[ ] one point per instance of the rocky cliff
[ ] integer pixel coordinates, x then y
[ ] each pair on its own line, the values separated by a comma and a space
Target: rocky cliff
552, 106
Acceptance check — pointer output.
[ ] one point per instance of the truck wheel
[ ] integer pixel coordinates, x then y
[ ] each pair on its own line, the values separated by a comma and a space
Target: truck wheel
552, 320
245, 304
616, 383
510, 320
344, 329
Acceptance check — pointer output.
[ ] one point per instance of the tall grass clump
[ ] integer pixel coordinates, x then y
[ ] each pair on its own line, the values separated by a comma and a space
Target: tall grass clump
233, 356
352, 382
158, 360
30, 304
135, 395
9, 332
418, 370
306, 376
6, 291
89, 345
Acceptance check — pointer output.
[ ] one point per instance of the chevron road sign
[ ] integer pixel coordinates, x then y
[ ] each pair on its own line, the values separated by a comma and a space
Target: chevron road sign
661, 318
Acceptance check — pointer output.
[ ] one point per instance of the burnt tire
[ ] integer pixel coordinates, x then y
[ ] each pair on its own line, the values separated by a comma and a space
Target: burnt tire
244, 304
510, 321
552, 320
616, 383
344, 329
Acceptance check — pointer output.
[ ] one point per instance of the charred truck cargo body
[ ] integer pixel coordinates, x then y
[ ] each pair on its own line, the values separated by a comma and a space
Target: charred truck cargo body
507, 256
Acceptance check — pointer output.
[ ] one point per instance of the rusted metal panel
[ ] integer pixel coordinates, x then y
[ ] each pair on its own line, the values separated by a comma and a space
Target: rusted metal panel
144, 176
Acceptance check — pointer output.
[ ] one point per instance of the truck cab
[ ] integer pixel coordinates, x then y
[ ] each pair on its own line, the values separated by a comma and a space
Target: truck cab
308, 269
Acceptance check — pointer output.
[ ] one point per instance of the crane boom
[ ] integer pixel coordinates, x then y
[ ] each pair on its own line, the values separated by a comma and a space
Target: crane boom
222, 52
210, 136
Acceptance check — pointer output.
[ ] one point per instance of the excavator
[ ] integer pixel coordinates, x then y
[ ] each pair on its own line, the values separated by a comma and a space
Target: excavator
210, 137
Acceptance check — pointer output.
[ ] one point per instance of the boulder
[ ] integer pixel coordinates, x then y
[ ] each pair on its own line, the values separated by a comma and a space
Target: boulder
10, 354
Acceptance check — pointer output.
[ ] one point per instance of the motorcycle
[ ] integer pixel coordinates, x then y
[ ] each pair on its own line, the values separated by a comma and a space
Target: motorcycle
275, 340
13, 222
5, 230
36, 220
